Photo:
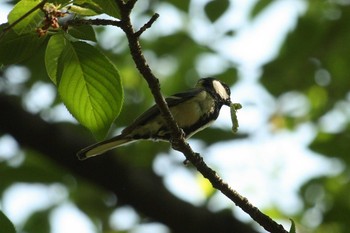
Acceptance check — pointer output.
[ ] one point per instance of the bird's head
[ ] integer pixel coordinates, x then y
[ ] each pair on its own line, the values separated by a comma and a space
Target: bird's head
217, 88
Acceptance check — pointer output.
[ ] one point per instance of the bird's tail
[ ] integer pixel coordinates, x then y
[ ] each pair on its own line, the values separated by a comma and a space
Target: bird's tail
102, 147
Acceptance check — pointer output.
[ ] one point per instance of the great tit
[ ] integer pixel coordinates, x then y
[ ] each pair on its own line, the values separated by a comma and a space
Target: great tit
193, 111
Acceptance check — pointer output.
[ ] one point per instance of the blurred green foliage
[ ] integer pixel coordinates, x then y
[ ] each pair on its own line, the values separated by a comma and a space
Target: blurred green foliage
5, 224
314, 61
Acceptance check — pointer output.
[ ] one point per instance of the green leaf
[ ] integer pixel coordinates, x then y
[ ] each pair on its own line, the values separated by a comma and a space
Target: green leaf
53, 52
5, 224
88, 4
38, 222
29, 23
216, 8
108, 7
181, 5
333, 144
16, 48
292, 227
84, 11
60, 2
84, 32
90, 86
259, 7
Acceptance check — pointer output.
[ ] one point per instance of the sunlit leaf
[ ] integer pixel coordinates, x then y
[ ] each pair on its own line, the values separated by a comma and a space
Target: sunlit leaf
28, 23
83, 11
90, 5
60, 2
53, 52
90, 87
109, 7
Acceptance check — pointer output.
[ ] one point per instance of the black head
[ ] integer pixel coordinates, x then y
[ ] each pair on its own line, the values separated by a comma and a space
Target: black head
217, 88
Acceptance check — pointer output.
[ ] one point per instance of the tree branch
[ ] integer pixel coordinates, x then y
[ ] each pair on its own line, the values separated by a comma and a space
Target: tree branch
97, 22
178, 141
147, 25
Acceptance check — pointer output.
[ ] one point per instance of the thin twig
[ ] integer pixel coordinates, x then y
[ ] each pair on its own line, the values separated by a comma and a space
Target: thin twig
6, 29
104, 22
147, 25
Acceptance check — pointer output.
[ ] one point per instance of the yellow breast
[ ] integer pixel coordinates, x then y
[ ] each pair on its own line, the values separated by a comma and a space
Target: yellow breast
189, 112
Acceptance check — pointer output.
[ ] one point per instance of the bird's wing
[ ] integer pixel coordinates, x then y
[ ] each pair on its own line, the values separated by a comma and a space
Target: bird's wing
182, 96
153, 111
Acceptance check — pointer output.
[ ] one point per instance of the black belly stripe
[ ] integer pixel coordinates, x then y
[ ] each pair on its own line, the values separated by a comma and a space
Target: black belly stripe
204, 120
162, 134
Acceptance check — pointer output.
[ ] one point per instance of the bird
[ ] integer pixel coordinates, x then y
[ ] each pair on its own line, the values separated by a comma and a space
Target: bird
193, 110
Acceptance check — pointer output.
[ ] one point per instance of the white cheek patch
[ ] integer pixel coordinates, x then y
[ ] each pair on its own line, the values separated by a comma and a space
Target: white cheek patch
220, 89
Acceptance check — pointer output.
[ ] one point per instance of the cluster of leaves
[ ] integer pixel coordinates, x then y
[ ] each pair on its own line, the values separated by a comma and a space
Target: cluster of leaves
87, 81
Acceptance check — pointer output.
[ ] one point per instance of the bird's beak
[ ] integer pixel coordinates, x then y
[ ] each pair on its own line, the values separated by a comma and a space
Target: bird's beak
228, 102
